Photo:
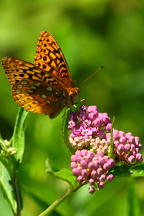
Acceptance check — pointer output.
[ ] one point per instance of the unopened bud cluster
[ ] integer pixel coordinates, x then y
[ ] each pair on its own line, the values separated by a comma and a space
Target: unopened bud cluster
92, 138
92, 168
6, 149
126, 146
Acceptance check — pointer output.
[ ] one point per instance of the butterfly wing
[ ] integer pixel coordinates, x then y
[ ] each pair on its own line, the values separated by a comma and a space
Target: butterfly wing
34, 89
50, 58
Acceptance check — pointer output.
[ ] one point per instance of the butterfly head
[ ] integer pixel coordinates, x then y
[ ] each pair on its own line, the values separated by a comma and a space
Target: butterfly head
73, 91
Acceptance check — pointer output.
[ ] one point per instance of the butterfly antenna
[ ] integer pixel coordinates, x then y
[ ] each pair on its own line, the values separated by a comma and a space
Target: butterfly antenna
90, 77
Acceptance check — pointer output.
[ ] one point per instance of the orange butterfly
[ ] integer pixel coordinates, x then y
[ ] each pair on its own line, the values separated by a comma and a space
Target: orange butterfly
45, 86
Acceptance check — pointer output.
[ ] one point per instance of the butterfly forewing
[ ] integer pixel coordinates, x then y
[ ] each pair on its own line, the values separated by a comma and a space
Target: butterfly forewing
50, 58
32, 90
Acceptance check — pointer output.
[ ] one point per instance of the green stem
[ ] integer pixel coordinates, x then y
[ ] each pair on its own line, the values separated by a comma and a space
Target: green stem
110, 153
17, 195
58, 201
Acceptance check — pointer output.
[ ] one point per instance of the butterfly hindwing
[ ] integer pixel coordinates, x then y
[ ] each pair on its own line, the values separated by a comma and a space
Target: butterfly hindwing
32, 90
36, 104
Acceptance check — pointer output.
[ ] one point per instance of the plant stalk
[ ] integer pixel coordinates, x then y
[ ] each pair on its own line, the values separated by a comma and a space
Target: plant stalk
17, 195
58, 201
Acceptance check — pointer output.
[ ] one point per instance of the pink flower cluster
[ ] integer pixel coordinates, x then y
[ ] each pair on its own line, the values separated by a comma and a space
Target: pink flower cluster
92, 168
87, 123
90, 137
126, 146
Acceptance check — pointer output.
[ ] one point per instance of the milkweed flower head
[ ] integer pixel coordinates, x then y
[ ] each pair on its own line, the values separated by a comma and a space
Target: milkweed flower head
88, 127
92, 169
126, 147
92, 138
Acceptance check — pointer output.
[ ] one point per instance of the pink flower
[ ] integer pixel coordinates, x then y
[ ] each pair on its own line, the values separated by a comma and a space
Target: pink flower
92, 169
126, 147
90, 137
87, 124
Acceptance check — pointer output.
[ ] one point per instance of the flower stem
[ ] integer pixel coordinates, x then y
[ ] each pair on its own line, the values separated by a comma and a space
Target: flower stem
58, 201
17, 195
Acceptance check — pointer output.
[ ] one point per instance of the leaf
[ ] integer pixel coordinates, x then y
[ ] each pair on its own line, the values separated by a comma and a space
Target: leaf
137, 171
50, 167
66, 175
128, 170
65, 132
7, 187
120, 171
133, 207
18, 139
63, 174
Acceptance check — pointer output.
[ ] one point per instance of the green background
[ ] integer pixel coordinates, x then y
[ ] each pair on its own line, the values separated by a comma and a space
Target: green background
91, 33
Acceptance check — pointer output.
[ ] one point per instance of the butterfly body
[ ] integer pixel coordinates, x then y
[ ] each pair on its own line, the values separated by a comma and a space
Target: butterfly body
45, 86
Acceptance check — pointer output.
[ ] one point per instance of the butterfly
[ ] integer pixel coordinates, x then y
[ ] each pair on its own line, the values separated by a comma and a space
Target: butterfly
44, 87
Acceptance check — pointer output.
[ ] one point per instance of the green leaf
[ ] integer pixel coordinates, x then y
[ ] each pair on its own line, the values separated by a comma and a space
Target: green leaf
65, 132
50, 167
128, 170
137, 171
66, 175
63, 174
120, 171
7, 187
133, 206
18, 139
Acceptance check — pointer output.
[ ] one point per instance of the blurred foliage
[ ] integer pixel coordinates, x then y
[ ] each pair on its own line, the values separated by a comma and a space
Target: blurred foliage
91, 33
